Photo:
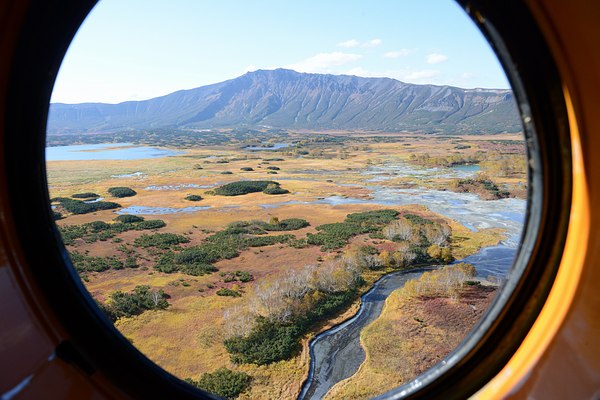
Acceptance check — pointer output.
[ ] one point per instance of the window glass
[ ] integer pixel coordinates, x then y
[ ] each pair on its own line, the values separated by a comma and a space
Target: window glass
281, 200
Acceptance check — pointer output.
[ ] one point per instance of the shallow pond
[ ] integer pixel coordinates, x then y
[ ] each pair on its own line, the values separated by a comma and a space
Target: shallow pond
106, 151
143, 210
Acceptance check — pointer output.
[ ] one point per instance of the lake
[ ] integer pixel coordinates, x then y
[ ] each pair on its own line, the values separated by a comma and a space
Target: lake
106, 151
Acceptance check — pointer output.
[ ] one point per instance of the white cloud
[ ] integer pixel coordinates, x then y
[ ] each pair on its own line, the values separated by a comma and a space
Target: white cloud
323, 62
349, 43
398, 53
372, 43
419, 76
436, 58
404, 75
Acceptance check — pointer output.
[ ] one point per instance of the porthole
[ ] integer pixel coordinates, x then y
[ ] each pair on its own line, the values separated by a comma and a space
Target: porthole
96, 345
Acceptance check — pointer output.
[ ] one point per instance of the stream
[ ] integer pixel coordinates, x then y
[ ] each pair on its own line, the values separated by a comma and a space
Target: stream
336, 354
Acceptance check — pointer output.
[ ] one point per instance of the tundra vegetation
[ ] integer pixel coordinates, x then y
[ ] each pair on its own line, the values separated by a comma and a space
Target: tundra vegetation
244, 283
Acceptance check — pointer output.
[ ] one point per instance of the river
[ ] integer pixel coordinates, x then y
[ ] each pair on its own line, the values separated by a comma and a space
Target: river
336, 354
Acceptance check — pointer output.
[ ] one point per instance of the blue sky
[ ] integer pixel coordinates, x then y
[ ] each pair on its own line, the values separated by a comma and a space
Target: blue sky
139, 49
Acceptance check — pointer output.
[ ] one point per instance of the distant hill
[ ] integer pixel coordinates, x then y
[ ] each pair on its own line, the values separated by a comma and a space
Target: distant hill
288, 99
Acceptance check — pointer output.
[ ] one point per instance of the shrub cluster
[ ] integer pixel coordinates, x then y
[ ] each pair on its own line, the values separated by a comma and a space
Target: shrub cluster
244, 187
226, 244
261, 227
81, 207
223, 382
481, 185
285, 308
129, 219
142, 298
193, 197
85, 195
121, 191
160, 240
271, 341
228, 292
83, 263
275, 189
336, 235
242, 276
99, 230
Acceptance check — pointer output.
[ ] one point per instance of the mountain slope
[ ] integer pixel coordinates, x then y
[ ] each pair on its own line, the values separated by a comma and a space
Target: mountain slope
288, 99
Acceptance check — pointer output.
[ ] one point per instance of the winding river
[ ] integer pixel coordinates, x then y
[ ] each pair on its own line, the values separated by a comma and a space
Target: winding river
336, 354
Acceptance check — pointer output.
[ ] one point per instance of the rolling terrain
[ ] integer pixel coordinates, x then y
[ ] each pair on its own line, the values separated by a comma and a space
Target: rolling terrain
291, 100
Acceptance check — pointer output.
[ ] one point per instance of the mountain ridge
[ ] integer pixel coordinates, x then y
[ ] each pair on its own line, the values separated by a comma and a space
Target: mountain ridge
291, 100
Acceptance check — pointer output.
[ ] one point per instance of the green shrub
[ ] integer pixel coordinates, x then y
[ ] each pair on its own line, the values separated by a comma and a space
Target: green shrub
243, 187
228, 292
275, 189
86, 195
260, 241
273, 168
272, 172
161, 240
121, 191
56, 215
417, 219
193, 197
247, 169
98, 226
150, 224
80, 207
376, 217
129, 219
83, 263
141, 299
223, 382
335, 235
99, 230
226, 173
244, 276
198, 269
290, 224
268, 342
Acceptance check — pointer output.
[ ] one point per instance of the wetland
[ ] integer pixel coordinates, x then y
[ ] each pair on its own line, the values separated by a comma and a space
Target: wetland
315, 248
